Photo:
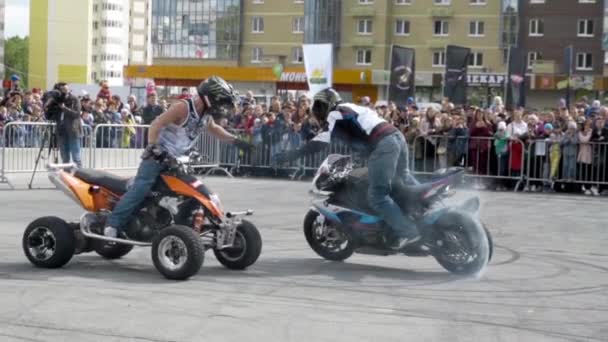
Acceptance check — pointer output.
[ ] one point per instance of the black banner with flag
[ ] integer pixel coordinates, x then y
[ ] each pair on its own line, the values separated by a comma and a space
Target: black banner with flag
455, 80
516, 86
403, 71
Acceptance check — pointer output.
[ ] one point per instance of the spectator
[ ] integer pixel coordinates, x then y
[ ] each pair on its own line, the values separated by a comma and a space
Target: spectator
128, 131
69, 127
365, 101
569, 146
152, 109
185, 94
479, 147
133, 106
555, 139
501, 148
594, 110
497, 106
518, 131
104, 91
585, 157
457, 141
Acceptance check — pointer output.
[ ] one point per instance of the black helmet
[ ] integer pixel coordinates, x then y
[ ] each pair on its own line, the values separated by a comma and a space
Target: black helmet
222, 97
324, 102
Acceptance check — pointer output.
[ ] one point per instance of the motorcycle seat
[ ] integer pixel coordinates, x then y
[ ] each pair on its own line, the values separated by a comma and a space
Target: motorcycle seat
116, 184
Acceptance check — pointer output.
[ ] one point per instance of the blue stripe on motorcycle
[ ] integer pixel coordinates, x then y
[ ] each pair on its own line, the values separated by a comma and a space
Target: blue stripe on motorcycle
329, 214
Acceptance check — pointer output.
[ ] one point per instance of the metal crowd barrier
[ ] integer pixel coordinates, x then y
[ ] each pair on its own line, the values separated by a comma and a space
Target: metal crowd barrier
477, 154
118, 147
550, 162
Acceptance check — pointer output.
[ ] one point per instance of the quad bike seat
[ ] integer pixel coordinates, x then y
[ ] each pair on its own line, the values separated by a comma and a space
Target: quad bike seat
116, 184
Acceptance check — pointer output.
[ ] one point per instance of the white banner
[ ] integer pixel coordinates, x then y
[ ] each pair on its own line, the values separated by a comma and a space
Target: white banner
318, 62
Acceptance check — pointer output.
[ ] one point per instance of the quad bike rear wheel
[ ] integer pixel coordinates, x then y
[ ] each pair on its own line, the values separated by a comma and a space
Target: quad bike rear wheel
178, 252
49, 242
245, 250
328, 242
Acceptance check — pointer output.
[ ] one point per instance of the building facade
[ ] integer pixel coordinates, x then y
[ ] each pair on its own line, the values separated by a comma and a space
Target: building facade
86, 41
246, 41
547, 29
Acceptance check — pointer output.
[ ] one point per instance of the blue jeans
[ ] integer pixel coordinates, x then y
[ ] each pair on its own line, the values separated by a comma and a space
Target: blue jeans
388, 161
146, 177
69, 146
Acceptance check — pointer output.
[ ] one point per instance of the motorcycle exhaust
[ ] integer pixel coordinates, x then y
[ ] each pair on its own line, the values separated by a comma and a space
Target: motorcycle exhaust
84, 228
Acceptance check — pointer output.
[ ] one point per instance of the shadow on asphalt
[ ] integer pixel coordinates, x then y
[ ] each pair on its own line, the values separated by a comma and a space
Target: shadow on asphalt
125, 271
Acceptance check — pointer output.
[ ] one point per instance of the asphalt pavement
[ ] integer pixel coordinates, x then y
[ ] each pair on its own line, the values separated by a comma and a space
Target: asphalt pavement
548, 281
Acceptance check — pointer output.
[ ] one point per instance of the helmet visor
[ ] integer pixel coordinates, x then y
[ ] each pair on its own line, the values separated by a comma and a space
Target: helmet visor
320, 109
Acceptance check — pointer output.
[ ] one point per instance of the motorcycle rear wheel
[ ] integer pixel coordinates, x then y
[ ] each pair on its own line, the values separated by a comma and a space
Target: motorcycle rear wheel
246, 249
466, 246
316, 242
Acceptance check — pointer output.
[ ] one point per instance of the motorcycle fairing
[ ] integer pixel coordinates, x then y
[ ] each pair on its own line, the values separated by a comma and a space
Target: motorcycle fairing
339, 214
190, 187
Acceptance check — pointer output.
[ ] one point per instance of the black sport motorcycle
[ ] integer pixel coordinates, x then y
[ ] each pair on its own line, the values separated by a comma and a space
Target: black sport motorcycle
341, 222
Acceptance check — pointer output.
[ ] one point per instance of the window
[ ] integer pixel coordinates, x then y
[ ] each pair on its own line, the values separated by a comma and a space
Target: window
585, 28
256, 55
298, 25
441, 28
439, 58
298, 1
476, 60
257, 25
366, 2
95, 25
364, 57
532, 58
476, 28
537, 28
537, 1
584, 61
403, 2
441, 2
364, 26
478, 2
94, 58
297, 55
402, 27
258, 1
586, 1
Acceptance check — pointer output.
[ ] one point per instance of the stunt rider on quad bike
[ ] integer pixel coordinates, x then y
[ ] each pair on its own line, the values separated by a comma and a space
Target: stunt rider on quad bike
388, 156
174, 133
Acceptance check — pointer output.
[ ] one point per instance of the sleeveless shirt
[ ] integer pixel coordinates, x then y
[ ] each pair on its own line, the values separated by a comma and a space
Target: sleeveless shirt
177, 140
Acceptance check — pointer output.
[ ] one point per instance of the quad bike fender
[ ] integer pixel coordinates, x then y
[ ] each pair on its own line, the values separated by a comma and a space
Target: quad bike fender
74, 188
190, 190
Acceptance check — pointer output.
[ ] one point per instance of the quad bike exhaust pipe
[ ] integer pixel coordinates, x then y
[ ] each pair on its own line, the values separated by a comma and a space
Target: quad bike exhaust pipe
84, 228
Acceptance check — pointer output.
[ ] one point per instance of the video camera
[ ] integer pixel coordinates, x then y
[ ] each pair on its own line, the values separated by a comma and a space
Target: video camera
53, 109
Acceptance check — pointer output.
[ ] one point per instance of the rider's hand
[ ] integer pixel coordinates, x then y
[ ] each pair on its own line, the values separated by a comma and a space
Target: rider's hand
152, 151
243, 145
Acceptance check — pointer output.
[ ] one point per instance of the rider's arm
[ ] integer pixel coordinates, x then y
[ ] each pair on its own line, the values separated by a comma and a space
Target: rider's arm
219, 132
176, 114
319, 142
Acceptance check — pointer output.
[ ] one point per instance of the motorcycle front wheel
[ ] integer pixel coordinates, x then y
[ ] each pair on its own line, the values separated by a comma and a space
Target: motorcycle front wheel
327, 241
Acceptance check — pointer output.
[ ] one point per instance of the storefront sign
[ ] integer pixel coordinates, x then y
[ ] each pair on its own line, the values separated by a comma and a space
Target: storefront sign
297, 77
486, 80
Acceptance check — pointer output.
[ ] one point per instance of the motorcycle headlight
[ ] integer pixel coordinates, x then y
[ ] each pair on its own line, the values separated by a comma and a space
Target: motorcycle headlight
215, 199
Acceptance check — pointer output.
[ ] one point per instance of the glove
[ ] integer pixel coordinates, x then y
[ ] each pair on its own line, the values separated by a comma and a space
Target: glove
286, 157
243, 145
153, 151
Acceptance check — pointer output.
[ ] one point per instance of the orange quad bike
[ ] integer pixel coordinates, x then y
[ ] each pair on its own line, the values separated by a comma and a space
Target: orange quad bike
180, 219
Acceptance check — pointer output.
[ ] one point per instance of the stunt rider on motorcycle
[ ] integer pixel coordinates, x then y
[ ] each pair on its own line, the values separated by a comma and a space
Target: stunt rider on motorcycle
388, 158
173, 134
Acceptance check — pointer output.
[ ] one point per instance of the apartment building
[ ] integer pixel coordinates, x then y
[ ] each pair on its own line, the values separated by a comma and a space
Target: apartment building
547, 28
86, 41
265, 36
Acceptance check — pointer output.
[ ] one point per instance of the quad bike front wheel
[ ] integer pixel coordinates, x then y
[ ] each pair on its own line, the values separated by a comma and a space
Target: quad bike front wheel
465, 245
178, 252
328, 242
245, 250
49, 242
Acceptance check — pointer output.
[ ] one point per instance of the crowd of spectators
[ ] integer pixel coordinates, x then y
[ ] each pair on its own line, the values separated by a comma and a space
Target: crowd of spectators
547, 145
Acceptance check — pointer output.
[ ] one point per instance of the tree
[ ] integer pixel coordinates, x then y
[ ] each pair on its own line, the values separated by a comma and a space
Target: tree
16, 54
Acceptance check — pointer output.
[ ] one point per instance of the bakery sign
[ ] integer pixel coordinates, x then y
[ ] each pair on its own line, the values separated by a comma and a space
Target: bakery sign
486, 80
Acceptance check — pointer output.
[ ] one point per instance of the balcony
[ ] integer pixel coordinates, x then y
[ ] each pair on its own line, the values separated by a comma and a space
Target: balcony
442, 12
363, 41
437, 43
362, 11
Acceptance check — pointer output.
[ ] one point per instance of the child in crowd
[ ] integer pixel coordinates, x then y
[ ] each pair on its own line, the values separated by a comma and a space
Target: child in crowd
501, 148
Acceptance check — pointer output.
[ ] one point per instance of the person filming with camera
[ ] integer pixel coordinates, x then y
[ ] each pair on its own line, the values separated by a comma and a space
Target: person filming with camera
63, 108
